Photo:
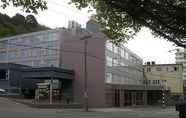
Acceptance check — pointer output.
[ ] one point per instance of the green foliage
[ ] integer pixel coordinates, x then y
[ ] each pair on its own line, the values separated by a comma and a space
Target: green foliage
18, 24
30, 6
121, 20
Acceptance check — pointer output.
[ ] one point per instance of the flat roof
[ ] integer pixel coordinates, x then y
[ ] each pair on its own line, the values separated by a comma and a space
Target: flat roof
162, 64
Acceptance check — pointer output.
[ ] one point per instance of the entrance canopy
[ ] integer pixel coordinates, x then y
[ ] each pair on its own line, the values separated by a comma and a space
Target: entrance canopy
48, 72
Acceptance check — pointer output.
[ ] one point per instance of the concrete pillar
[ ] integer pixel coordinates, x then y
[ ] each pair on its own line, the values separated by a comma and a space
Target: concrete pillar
113, 97
133, 98
145, 97
121, 98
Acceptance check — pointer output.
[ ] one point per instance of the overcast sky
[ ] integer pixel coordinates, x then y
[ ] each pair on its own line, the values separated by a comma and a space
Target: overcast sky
144, 44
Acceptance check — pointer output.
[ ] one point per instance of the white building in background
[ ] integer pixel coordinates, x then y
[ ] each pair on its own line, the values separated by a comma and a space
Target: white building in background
181, 59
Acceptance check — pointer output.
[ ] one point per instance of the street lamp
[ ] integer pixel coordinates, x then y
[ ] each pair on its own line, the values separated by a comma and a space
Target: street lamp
85, 71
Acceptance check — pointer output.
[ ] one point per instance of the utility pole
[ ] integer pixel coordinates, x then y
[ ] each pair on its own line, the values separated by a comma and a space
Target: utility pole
85, 75
85, 71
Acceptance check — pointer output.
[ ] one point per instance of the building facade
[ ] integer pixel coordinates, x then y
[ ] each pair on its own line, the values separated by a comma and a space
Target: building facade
62, 48
123, 66
114, 73
124, 74
181, 59
167, 75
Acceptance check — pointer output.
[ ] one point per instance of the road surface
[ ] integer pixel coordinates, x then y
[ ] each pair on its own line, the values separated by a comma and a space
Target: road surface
10, 109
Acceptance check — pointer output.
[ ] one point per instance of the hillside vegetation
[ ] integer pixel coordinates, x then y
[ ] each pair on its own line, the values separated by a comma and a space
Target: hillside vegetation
18, 24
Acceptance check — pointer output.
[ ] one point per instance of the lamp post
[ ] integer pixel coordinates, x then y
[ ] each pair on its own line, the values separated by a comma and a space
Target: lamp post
85, 71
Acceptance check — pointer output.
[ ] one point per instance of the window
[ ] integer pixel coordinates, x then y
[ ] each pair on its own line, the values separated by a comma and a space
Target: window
164, 81
175, 68
148, 69
115, 49
36, 63
158, 68
108, 77
184, 55
122, 53
52, 52
52, 62
158, 82
109, 61
127, 55
122, 63
115, 62
3, 55
35, 52
109, 46
23, 53
12, 55
167, 69
3, 75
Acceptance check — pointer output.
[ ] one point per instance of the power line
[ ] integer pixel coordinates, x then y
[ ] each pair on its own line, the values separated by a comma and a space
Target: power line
61, 5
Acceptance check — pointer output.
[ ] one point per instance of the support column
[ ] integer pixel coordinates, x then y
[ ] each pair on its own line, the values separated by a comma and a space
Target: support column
121, 98
144, 97
113, 97
133, 98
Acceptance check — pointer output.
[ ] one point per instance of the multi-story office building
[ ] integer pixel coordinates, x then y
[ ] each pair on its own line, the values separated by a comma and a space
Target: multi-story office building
53, 53
123, 66
114, 74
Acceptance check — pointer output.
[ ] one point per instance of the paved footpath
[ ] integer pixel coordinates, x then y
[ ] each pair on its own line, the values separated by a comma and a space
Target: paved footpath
10, 109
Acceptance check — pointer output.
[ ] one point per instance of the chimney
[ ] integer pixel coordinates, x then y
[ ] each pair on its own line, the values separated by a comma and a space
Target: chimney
153, 63
148, 63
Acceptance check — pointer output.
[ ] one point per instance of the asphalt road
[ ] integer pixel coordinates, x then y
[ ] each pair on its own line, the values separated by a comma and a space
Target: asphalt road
10, 109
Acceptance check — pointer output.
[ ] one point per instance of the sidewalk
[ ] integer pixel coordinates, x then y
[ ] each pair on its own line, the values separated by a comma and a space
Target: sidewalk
46, 104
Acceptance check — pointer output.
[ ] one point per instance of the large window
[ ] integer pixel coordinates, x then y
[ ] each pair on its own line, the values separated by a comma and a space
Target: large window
3, 44
158, 68
115, 49
122, 52
109, 46
36, 63
108, 77
108, 61
12, 55
52, 52
23, 53
127, 55
115, 62
51, 62
3, 55
35, 52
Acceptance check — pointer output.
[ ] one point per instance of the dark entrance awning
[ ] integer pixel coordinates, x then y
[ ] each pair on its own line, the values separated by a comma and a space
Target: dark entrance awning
47, 72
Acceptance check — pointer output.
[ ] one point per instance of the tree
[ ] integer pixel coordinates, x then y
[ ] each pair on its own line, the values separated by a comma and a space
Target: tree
18, 24
31, 20
122, 19
18, 19
27, 5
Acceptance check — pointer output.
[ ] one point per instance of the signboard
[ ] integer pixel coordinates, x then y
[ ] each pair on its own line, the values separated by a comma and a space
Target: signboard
43, 85
55, 83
